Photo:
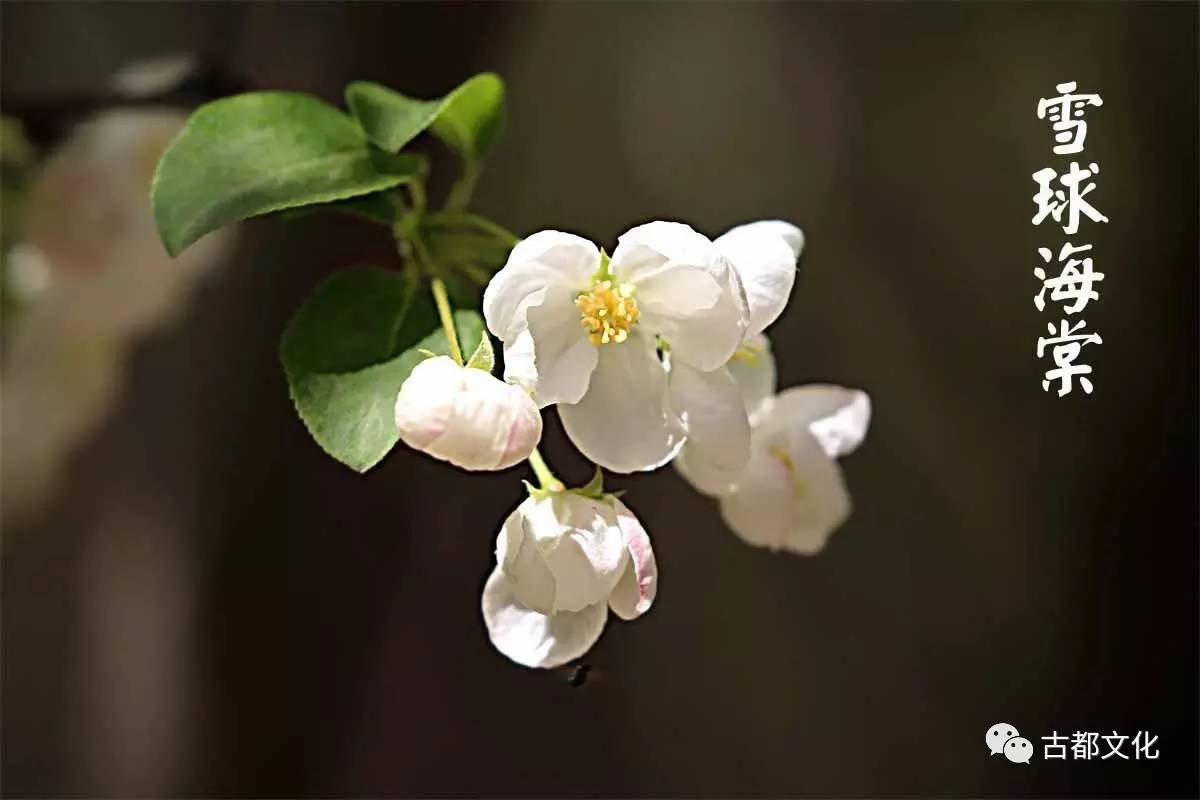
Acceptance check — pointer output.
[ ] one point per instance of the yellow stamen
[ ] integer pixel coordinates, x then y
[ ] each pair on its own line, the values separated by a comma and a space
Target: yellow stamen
607, 312
799, 488
748, 354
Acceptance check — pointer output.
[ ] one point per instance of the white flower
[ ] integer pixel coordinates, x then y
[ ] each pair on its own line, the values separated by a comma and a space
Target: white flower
791, 495
584, 332
562, 561
466, 416
87, 214
712, 404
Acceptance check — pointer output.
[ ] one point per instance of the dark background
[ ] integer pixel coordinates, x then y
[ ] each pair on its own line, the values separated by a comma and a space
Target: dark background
213, 606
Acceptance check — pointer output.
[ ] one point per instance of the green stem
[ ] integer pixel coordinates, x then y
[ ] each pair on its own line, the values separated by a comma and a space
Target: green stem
417, 190
464, 187
424, 257
483, 223
443, 307
545, 477
474, 273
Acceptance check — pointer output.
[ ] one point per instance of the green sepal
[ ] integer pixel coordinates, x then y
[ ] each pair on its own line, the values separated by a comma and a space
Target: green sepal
536, 492
603, 273
594, 488
484, 357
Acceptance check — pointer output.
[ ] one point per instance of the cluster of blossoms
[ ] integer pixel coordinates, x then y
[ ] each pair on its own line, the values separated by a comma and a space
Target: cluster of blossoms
656, 354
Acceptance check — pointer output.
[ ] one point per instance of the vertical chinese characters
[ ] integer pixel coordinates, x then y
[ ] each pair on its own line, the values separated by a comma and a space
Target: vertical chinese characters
1063, 198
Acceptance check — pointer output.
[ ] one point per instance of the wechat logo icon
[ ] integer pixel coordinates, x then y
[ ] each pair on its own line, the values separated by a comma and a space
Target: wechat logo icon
1003, 738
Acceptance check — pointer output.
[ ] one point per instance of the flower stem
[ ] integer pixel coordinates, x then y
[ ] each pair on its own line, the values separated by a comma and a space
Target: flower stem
482, 223
464, 187
443, 307
416, 190
474, 273
545, 477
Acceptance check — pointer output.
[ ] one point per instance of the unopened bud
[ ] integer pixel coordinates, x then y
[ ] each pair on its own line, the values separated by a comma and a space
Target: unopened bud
466, 416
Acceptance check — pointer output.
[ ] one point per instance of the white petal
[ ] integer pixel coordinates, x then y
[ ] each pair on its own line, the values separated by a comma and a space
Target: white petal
563, 552
563, 357
718, 430
425, 401
528, 573
789, 505
519, 367
581, 543
836, 416
545, 259
705, 339
753, 367
764, 255
686, 291
646, 252
624, 422
635, 592
537, 640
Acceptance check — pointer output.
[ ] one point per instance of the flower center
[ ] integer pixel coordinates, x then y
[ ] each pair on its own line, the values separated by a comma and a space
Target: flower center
799, 488
608, 312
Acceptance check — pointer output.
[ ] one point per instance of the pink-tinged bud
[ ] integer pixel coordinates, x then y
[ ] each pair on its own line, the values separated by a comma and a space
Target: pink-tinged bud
466, 416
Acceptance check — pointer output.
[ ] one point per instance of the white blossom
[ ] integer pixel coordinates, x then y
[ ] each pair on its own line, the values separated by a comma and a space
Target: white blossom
466, 416
584, 332
791, 495
562, 561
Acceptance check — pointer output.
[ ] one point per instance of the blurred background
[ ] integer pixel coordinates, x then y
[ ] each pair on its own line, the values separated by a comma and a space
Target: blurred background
198, 601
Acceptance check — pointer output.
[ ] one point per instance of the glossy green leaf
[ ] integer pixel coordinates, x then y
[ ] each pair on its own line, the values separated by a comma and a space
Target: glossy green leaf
349, 348
473, 116
377, 208
467, 120
255, 153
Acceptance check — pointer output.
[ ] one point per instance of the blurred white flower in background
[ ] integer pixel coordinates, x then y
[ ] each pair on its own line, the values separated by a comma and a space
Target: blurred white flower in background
90, 275
791, 495
88, 213
466, 416
562, 561
584, 331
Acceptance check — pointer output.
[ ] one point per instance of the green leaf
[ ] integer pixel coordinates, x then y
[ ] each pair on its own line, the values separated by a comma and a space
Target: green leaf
484, 357
467, 120
349, 348
378, 208
255, 153
472, 116
389, 119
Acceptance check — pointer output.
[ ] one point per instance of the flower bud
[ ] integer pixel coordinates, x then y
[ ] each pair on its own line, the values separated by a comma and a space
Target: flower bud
562, 561
563, 552
466, 416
